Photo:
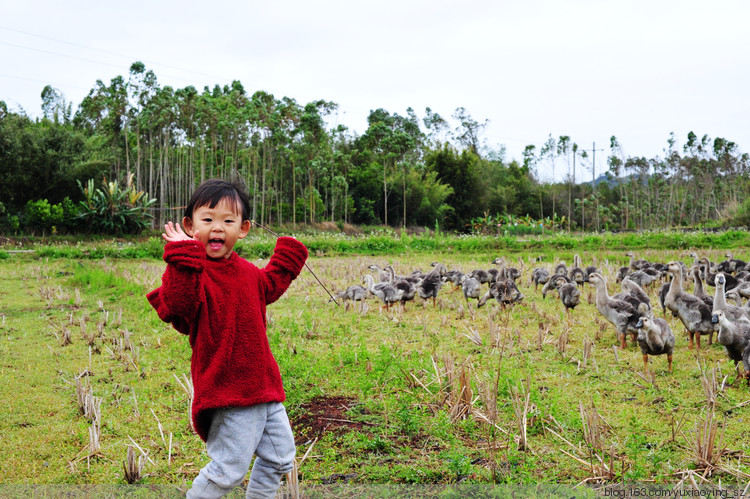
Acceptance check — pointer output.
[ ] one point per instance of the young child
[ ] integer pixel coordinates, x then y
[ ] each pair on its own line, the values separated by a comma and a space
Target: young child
219, 299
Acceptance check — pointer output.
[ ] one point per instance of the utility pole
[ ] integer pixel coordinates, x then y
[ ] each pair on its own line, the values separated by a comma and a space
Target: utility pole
593, 182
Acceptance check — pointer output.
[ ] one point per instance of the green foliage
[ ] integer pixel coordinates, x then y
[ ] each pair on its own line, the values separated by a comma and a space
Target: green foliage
742, 215
9, 223
509, 224
40, 215
37, 160
113, 209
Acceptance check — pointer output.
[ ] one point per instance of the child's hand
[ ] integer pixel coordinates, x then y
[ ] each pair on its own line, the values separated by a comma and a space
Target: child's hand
173, 232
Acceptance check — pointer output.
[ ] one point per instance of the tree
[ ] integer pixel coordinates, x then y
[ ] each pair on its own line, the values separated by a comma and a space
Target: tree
54, 106
390, 138
468, 130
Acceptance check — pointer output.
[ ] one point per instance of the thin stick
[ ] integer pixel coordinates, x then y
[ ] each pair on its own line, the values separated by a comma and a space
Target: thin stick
306, 265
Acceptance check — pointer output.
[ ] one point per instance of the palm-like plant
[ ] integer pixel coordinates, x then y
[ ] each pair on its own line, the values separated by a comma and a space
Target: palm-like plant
114, 209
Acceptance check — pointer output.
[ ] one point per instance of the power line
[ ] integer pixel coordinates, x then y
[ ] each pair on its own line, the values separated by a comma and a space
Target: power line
57, 40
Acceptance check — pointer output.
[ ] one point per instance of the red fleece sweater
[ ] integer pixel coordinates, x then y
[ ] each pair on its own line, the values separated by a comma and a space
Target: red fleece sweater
221, 304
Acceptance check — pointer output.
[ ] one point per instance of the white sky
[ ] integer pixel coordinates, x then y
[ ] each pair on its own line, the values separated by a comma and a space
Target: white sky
636, 69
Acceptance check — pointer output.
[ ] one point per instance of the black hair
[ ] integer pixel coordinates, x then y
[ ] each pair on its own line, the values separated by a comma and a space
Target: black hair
212, 192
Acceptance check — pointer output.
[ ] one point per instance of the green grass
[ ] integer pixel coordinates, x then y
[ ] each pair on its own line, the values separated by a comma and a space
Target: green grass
386, 242
401, 424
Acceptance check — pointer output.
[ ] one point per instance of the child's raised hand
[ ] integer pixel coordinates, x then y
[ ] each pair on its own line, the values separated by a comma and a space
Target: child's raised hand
173, 232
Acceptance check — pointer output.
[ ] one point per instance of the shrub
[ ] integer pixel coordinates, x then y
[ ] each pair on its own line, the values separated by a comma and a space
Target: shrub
114, 209
40, 215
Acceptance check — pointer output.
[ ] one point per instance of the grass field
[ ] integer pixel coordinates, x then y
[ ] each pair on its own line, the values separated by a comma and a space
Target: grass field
429, 394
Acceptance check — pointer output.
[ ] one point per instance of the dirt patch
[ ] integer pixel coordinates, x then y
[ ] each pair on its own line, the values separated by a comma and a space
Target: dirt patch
322, 415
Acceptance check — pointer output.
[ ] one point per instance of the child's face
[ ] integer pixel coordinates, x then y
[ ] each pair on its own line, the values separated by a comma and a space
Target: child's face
217, 228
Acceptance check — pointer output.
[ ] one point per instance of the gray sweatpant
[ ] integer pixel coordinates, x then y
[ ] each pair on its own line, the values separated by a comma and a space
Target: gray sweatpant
236, 434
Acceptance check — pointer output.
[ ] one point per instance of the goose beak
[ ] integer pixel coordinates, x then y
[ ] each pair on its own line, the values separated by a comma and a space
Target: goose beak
640, 323
714, 319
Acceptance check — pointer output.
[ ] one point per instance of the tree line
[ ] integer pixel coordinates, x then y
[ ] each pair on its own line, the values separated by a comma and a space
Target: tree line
299, 169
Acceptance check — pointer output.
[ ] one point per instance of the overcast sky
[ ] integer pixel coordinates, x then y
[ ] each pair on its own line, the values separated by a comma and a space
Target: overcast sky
587, 69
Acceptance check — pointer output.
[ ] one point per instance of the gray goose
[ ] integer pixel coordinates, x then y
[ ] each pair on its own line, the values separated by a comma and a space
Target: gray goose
577, 274
733, 312
694, 314
552, 283
731, 281
636, 295
539, 276
735, 264
430, 285
570, 295
470, 287
622, 273
408, 289
382, 273
644, 277
735, 336
699, 290
620, 313
561, 269
352, 293
387, 293
637, 264
655, 337
504, 291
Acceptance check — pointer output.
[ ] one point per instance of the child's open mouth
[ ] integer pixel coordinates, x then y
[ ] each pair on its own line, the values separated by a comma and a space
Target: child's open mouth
215, 244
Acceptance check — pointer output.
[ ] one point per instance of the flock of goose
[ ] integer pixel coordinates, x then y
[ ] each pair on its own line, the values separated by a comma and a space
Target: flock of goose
629, 311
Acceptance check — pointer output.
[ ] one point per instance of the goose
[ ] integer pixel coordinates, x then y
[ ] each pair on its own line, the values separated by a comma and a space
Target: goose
408, 289
455, 277
735, 265
735, 336
742, 289
570, 295
430, 285
732, 312
644, 277
622, 273
352, 293
512, 273
710, 276
413, 278
637, 264
480, 275
655, 337
734, 296
470, 287
696, 258
504, 291
694, 314
699, 291
620, 313
636, 291
589, 270
382, 273
561, 269
387, 293
551, 283
576, 274
496, 273
493, 276
662, 295
539, 276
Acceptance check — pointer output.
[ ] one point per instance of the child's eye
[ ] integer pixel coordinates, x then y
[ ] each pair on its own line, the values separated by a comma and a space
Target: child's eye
207, 220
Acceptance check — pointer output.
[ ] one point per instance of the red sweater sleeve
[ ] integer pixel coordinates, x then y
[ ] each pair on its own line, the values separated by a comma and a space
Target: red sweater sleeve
177, 300
287, 261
